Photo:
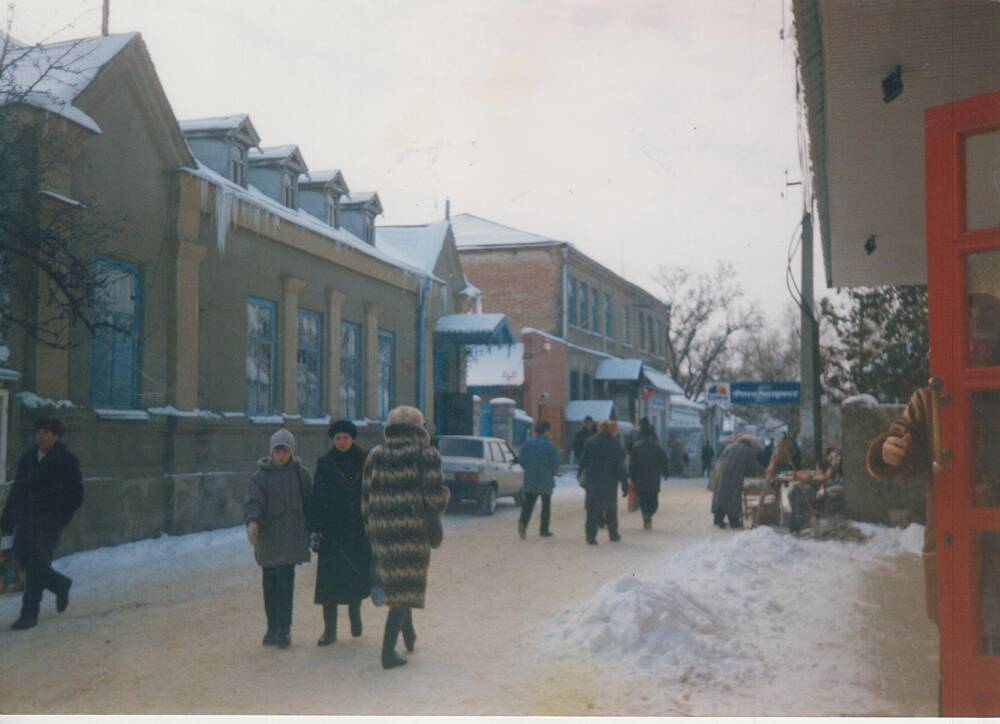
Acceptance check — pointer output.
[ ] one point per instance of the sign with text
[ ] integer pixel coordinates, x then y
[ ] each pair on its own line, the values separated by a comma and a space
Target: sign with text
764, 393
717, 393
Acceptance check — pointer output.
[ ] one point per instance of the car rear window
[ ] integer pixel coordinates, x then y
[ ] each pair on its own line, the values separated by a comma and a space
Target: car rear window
460, 447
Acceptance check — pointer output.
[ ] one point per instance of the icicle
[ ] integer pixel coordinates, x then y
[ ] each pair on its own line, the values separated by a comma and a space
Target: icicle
223, 216
203, 187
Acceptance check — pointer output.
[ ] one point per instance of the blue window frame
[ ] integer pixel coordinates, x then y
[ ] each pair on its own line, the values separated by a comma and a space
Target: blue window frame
350, 370
260, 356
386, 373
584, 306
114, 348
309, 367
571, 302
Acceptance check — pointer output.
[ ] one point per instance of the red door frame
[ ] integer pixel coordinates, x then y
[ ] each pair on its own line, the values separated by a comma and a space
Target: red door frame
970, 680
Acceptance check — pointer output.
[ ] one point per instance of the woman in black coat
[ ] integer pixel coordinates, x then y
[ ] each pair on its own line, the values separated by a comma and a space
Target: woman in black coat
344, 570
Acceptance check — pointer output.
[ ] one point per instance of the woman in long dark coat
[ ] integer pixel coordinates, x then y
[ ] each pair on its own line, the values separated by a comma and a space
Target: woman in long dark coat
403, 485
738, 461
602, 467
344, 570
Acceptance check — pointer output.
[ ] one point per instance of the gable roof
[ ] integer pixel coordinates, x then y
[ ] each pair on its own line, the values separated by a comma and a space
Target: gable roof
473, 231
332, 179
52, 76
286, 155
419, 245
363, 198
238, 124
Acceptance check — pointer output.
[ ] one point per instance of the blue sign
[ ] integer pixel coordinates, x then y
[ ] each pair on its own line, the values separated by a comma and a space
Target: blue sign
764, 393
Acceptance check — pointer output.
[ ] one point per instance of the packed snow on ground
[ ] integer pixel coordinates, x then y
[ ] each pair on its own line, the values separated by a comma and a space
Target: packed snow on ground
752, 619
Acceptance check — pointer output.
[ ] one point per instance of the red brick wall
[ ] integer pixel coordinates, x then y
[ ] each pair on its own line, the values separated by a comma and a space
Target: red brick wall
545, 372
524, 284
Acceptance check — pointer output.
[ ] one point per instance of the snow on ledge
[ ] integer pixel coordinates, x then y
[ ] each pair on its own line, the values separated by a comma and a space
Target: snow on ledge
110, 414
233, 415
171, 411
267, 419
30, 399
316, 420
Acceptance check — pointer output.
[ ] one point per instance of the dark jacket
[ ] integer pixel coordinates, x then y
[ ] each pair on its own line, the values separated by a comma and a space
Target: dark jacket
45, 493
603, 467
707, 455
647, 464
343, 572
540, 461
402, 485
738, 461
277, 500
579, 439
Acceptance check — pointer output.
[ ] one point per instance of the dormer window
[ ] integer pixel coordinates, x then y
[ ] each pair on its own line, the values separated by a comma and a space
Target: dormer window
331, 211
238, 164
288, 191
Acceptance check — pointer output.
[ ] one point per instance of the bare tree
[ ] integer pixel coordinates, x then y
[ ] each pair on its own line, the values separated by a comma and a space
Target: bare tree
707, 312
48, 242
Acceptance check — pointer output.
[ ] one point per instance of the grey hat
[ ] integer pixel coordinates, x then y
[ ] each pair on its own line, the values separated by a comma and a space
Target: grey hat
283, 438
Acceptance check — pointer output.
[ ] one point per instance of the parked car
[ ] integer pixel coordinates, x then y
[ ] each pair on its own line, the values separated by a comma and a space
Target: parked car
480, 469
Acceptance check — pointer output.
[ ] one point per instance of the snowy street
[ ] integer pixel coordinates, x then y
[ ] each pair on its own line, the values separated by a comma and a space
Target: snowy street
685, 619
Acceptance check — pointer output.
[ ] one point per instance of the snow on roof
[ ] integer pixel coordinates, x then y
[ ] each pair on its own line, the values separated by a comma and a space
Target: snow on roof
334, 177
470, 289
599, 410
362, 198
418, 245
259, 200
682, 401
472, 231
662, 381
52, 76
215, 123
488, 366
466, 323
616, 370
288, 153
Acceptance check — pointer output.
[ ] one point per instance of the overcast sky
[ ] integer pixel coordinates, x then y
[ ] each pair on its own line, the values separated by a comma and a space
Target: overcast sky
647, 132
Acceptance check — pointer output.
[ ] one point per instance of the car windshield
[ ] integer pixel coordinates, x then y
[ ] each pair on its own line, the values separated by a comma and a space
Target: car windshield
460, 447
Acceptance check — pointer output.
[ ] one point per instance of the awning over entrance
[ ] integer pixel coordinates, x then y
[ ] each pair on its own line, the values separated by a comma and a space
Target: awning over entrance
618, 370
473, 329
662, 381
597, 410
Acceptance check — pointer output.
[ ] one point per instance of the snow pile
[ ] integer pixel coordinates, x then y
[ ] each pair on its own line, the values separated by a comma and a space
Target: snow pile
892, 541
737, 617
30, 399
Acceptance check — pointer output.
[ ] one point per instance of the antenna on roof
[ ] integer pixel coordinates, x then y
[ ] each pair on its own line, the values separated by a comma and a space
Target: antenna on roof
104, 17
447, 209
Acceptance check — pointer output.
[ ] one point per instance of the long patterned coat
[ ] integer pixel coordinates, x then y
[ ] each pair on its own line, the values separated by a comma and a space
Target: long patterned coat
402, 481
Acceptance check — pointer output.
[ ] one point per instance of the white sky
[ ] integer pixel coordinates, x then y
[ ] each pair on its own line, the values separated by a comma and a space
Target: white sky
647, 132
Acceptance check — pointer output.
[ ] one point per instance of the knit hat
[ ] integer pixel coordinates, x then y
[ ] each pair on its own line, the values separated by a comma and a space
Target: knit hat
343, 426
283, 438
405, 415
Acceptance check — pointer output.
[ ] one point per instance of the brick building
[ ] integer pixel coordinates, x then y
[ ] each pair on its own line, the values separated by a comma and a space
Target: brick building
572, 313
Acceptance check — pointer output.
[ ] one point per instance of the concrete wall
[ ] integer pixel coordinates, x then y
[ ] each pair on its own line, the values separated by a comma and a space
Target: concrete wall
165, 475
868, 499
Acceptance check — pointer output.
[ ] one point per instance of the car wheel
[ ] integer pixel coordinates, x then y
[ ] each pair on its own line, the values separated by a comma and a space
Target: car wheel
488, 503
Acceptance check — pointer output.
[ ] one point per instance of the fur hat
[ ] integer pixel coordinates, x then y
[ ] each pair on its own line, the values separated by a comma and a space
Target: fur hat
607, 427
405, 415
343, 426
283, 438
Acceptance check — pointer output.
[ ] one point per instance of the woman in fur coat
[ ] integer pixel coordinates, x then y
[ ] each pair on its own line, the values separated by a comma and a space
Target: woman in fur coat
402, 486
343, 573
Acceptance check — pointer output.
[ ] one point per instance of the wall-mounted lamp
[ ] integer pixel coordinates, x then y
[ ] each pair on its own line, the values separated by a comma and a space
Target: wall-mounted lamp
892, 85
870, 245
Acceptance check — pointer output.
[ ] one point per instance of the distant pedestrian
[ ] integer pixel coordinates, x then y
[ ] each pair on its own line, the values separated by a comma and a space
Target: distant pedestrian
275, 515
738, 461
648, 465
403, 485
343, 569
585, 433
47, 491
540, 461
602, 469
707, 457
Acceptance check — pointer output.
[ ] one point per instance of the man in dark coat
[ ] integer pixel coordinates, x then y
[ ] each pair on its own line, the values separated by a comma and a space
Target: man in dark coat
738, 461
586, 432
648, 463
343, 572
47, 491
602, 468
707, 457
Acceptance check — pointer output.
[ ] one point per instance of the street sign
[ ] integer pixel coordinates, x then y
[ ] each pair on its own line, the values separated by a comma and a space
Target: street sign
717, 393
764, 393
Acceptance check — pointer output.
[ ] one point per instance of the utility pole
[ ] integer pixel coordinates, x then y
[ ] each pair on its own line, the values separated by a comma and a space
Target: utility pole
104, 17
810, 410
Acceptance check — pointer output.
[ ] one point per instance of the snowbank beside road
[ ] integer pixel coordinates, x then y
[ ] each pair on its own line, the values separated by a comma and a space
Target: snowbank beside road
747, 619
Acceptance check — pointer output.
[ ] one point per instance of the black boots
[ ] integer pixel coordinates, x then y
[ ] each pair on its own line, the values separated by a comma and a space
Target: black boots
24, 622
62, 595
647, 523
329, 625
393, 624
279, 587
354, 613
409, 635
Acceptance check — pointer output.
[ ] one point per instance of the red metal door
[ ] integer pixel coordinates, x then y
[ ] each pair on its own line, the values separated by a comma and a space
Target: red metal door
963, 278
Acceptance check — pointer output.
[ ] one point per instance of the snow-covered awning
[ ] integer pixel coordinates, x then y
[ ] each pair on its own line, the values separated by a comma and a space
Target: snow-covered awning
597, 410
662, 381
474, 329
501, 366
618, 370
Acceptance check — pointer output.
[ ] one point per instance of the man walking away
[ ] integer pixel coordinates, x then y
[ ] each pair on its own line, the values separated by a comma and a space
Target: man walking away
47, 491
586, 432
707, 457
602, 468
647, 464
540, 461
